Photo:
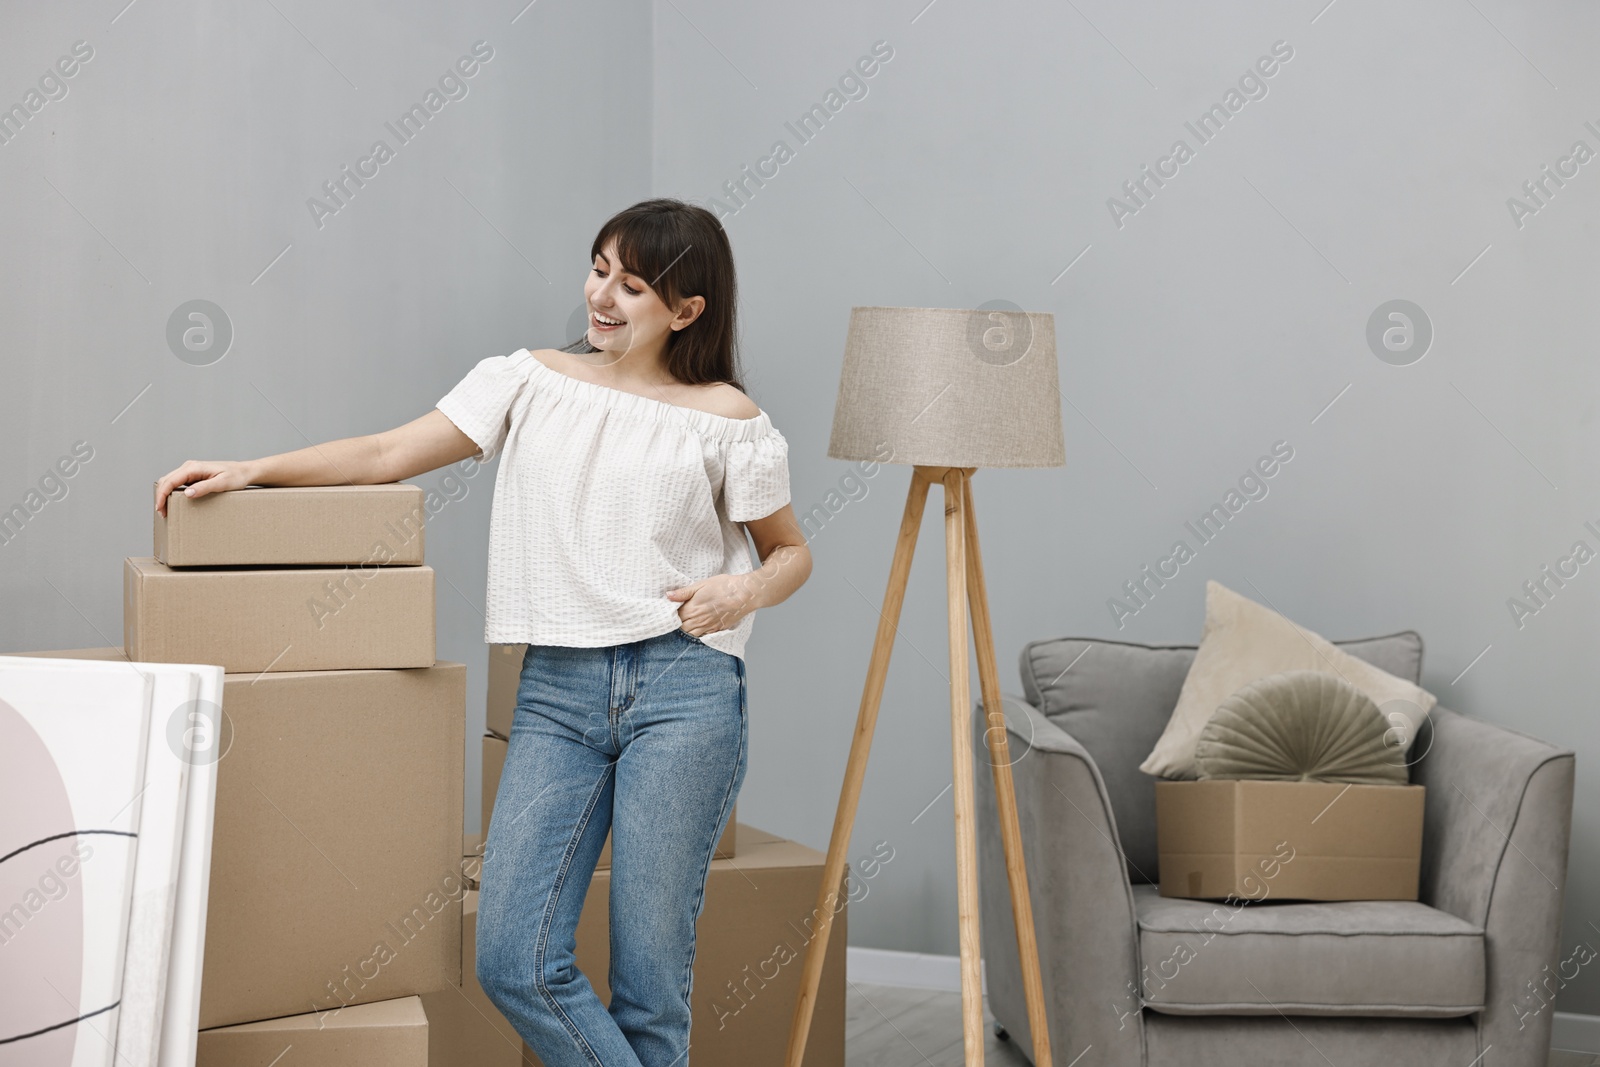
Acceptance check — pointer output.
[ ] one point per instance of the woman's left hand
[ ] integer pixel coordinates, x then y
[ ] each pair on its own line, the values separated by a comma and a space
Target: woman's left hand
713, 604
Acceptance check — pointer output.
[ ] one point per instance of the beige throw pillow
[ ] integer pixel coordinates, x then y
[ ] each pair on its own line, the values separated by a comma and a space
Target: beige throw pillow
1243, 641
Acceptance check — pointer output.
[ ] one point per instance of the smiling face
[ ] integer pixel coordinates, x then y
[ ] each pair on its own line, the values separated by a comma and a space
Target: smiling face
625, 314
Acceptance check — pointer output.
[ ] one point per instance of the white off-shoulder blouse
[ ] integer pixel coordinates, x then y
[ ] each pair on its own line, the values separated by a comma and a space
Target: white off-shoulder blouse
606, 499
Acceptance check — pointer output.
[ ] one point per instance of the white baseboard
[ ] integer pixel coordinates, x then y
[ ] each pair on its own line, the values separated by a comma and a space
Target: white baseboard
914, 970
1576, 1033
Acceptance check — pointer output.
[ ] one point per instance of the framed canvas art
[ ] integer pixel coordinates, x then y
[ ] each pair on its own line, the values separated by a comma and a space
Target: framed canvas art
105, 824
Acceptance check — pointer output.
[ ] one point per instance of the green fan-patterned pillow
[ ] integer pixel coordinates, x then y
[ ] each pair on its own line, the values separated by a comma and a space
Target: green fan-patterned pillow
1299, 726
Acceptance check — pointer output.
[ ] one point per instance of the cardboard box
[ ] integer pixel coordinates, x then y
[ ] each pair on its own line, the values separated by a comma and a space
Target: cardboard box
750, 949
505, 675
323, 525
494, 761
465, 1029
336, 874
1258, 839
289, 619
471, 858
389, 1033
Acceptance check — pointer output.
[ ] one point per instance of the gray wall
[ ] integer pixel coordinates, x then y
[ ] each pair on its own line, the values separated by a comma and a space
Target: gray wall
1224, 316
178, 167
1228, 313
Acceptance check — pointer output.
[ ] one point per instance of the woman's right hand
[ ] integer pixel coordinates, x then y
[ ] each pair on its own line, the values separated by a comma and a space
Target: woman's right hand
202, 477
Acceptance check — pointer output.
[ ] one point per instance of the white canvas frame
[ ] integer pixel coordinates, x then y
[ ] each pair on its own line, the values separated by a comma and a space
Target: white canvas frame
163, 939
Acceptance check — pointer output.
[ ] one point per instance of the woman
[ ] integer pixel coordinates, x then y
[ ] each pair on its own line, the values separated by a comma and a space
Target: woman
630, 459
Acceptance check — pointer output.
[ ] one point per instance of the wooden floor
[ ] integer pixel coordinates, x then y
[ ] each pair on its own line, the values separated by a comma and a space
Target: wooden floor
889, 1026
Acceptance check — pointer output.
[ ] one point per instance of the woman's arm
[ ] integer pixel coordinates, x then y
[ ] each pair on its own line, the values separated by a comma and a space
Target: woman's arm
720, 601
419, 446
785, 558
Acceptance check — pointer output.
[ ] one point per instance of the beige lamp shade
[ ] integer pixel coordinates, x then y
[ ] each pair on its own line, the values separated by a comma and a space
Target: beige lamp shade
949, 387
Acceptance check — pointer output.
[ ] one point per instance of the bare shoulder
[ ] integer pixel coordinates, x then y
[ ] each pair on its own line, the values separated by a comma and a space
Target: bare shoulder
553, 358
726, 400
717, 398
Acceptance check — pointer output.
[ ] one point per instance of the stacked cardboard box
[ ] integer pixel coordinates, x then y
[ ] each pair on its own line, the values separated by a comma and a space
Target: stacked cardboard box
342, 921
302, 579
751, 940
760, 916
389, 1033
334, 874
336, 883
465, 1029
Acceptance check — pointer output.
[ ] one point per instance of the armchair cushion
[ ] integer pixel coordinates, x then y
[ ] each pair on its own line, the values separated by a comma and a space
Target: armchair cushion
1115, 698
1367, 957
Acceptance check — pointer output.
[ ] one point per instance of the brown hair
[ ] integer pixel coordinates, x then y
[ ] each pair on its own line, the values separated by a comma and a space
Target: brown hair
680, 250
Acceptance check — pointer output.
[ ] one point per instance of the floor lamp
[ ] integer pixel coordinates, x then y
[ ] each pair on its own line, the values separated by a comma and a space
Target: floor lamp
946, 391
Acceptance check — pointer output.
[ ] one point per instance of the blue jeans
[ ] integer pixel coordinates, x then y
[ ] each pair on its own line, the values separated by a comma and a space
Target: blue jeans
648, 740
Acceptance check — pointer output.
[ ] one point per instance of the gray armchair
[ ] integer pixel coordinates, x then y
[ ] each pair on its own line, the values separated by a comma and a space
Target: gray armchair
1148, 980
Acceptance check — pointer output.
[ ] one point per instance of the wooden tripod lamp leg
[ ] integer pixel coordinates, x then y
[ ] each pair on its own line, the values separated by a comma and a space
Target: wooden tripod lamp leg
1000, 763
961, 764
964, 576
856, 768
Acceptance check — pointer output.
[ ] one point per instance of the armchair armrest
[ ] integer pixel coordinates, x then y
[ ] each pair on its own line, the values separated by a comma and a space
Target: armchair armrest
1077, 879
1496, 827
